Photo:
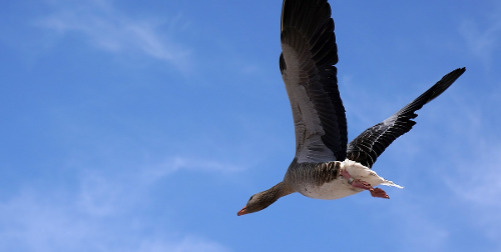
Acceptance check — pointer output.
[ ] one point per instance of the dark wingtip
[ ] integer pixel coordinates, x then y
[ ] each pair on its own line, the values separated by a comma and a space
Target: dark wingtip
460, 70
457, 72
438, 88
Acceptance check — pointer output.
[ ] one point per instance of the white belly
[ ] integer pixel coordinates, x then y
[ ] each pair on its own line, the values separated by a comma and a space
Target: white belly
340, 187
334, 189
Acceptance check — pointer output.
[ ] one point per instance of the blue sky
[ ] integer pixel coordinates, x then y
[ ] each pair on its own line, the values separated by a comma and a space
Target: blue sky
132, 126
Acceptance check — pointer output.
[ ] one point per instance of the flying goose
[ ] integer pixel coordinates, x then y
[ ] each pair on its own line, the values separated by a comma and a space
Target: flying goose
325, 166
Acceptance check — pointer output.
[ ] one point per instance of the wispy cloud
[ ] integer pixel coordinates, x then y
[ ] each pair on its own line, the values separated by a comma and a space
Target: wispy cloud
108, 29
108, 193
472, 169
189, 243
420, 232
173, 164
103, 212
476, 185
31, 222
483, 38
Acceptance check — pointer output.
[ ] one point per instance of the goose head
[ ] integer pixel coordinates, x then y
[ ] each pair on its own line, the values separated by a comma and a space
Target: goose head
262, 200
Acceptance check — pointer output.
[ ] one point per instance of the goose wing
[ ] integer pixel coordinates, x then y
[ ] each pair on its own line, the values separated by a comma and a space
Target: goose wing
309, 52
367, 147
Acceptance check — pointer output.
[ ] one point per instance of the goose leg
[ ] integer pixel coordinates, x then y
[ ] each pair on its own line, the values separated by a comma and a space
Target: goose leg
357, 183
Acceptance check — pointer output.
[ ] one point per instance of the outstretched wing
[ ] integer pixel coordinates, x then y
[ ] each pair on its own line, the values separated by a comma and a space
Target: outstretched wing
367, 147
308, 54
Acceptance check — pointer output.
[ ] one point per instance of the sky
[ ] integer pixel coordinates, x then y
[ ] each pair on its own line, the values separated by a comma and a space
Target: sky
130, 126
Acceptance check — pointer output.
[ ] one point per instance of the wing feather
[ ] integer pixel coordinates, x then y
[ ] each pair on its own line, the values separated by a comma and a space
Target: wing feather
367, 147
309, 52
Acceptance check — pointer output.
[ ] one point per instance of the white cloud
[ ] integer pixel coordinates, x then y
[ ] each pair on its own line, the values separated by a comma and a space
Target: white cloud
103, 193
480, 179
483, 40
419, 231
108, 29
472, 172
187, 244
475, 182
98, 195
177, 163
34, 222
102, 213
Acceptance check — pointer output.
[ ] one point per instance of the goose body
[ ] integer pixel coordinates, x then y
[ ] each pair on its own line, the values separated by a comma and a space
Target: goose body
325, 165
325, 180
339, 186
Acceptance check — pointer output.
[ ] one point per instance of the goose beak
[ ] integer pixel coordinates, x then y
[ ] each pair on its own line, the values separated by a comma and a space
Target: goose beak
243, 211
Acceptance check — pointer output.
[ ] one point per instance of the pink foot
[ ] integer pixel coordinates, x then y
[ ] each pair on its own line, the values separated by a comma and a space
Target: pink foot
379, 193
357, 183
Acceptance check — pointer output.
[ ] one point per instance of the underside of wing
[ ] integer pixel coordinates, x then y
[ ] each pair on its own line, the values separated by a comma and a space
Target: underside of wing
308, 54
367, 147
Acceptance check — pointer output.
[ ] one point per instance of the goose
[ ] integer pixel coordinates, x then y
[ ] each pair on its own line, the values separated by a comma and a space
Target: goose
325, 166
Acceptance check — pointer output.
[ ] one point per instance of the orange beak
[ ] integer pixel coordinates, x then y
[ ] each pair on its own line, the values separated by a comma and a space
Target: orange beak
243, 211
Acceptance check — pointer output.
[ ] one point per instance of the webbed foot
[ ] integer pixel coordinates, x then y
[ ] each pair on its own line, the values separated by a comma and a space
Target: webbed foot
379, 193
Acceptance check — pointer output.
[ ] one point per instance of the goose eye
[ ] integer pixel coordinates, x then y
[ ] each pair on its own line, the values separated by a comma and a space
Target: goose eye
251, 197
